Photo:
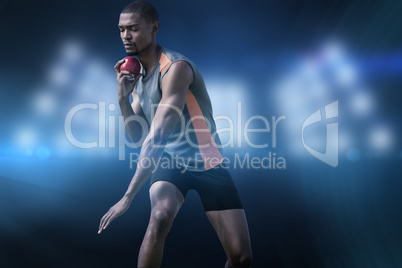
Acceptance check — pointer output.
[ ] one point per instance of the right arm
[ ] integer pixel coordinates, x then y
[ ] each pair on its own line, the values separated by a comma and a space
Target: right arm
125, 86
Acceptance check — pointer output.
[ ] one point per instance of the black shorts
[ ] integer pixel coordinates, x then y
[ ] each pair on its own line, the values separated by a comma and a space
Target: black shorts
214, 186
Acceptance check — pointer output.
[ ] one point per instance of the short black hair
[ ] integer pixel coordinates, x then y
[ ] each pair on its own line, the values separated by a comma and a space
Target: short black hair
145, 9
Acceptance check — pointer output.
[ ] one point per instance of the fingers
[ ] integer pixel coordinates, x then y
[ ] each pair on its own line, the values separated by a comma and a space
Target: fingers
108, 222
129, 76
137, 77
102, 223
105, 221
124, 74
117, 66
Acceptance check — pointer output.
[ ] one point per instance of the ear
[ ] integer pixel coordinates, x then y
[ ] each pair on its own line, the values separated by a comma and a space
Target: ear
155, 27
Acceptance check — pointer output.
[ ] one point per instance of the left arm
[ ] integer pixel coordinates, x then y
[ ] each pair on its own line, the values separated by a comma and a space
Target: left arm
174, 91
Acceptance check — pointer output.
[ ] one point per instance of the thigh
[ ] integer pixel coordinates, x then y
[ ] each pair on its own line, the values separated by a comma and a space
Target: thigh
216, 189
168, 173
165, 195
232, 229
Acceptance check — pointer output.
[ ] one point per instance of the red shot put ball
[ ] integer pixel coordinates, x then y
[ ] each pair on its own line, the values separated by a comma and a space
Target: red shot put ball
132, 65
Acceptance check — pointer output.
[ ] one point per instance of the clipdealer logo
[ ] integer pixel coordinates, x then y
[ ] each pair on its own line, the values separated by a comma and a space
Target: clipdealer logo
330, 156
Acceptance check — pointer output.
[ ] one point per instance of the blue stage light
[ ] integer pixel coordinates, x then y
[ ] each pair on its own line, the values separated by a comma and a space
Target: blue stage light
26, 138
380, 138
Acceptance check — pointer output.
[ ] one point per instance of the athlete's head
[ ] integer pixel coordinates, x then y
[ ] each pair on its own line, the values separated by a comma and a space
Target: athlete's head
138, 26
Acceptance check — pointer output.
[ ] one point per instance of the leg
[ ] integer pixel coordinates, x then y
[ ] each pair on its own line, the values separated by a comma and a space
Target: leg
231, 227
166, 201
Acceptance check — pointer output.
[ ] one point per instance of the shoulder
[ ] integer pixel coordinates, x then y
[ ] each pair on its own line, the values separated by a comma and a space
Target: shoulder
177, 68
181, 67
180, 70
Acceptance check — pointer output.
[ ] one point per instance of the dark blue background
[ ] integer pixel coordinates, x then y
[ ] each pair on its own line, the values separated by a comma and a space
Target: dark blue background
309, 215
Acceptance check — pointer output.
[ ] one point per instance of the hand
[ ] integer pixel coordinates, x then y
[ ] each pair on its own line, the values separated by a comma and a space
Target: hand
117, 210
125, 81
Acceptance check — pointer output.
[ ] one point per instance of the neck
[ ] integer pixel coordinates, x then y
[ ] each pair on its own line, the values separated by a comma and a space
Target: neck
149, 57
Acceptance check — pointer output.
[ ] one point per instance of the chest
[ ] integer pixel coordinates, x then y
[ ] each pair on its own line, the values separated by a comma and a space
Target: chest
150, 94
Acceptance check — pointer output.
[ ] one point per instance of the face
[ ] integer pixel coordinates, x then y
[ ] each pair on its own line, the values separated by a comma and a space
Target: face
136, 33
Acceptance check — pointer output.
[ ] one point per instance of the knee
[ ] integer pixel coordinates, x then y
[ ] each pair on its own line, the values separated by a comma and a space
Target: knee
242, 259
161, 220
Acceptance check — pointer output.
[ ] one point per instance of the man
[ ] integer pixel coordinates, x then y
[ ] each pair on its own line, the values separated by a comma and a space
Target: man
170, 95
